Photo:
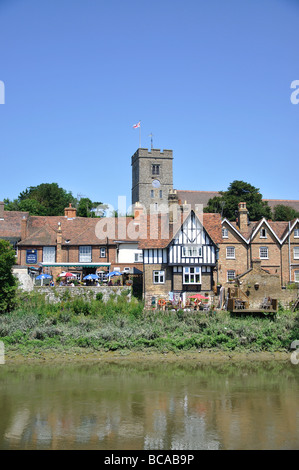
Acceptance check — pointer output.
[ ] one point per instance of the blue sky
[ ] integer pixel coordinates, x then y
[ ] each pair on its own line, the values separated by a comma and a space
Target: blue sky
211, 81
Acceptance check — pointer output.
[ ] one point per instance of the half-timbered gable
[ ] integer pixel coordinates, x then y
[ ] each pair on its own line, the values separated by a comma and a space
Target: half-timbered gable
185, 262
192, 245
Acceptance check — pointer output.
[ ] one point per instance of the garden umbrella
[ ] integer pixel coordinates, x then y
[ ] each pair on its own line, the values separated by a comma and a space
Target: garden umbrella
67, 275
114, 273
91, 276
197, 296
43, 276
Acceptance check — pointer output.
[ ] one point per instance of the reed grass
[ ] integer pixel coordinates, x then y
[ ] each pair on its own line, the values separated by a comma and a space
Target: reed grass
122, 325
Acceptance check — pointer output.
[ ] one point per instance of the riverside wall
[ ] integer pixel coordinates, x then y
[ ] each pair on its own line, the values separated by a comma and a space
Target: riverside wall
60, 293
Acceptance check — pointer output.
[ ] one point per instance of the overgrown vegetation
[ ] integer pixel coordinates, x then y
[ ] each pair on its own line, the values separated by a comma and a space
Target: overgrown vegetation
122, 325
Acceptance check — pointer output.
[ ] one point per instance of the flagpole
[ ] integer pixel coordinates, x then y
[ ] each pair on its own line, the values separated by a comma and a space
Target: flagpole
140, 135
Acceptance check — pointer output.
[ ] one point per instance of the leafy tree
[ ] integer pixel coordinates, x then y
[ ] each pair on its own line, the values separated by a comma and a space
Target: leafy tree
44, 199
8, 283
84, 207
51, 199
282, 212
239, 191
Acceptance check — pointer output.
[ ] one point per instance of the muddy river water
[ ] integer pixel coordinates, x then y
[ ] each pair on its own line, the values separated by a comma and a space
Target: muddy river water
149, 405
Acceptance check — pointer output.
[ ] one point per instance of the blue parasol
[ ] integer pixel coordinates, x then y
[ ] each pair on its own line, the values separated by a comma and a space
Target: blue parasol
114, 273
91, 276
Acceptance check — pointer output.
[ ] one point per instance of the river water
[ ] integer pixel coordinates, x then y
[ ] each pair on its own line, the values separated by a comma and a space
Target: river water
151, 406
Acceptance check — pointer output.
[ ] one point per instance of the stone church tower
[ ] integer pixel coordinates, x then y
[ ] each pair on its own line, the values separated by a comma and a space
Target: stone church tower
152, 177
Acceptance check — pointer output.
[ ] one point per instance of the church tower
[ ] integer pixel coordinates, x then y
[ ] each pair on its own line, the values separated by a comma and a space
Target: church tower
152, 177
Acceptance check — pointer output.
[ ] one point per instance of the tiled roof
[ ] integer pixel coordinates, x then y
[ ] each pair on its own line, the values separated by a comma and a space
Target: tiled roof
202, 197
42, 230
285, 202
196, 197
10, 226
157, 232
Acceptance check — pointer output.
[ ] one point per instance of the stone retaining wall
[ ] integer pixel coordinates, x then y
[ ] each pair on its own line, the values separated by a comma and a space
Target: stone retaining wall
60, 293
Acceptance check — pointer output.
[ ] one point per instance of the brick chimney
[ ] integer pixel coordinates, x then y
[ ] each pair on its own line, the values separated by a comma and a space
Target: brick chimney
70, 212
138, 211
59, 243
1, 210
173, 206
242, 216
23, 228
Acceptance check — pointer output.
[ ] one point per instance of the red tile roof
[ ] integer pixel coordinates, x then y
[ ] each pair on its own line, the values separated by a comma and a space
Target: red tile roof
10, 226
157, 232
42, 230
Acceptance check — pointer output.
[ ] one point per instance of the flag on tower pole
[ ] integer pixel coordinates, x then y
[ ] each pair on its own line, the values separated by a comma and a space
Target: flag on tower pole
135, 126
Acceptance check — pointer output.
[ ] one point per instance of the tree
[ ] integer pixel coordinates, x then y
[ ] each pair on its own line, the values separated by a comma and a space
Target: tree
239, 191
84, 207
51, 199
8, 283
44, 199
282, 213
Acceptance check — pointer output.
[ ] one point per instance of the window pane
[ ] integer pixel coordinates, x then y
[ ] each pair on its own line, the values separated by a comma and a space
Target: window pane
49, 254
85, 254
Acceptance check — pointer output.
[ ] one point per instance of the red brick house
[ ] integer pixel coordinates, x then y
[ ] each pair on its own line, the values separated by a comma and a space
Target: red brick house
82, 245
275, 244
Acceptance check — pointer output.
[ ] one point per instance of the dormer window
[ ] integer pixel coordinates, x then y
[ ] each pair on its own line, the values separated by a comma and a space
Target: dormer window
263, 233
296, 233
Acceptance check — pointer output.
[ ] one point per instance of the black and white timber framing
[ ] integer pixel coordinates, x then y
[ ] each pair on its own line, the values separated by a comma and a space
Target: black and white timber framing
190, 246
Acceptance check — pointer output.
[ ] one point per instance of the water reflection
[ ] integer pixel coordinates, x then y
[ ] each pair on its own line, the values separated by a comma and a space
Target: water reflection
115, 407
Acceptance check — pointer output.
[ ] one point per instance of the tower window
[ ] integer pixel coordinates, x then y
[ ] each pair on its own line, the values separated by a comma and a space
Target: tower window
155, 169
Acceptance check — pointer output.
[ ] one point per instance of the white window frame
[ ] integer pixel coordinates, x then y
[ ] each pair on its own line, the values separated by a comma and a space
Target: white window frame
103, 252
231, 274
85, 254
138, 257
265, 252
296, 275
296, 233
159, 277
231, 255
49, 254
192, 275
263, 233
224, 232
191, 251
296, 252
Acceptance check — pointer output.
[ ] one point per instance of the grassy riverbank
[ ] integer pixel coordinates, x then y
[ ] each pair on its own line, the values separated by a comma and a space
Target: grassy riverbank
37, 326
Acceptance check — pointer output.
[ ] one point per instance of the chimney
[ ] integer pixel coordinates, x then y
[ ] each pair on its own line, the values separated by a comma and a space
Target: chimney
23, 228
242, 216
1, 210
59, 243
138, 211
173, 205
70, 212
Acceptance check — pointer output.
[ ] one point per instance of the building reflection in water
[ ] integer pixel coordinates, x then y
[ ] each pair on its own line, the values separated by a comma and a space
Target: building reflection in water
118, 409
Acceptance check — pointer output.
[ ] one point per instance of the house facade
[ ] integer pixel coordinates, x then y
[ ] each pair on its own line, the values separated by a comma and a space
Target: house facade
179, 255
77, 244
275, 244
